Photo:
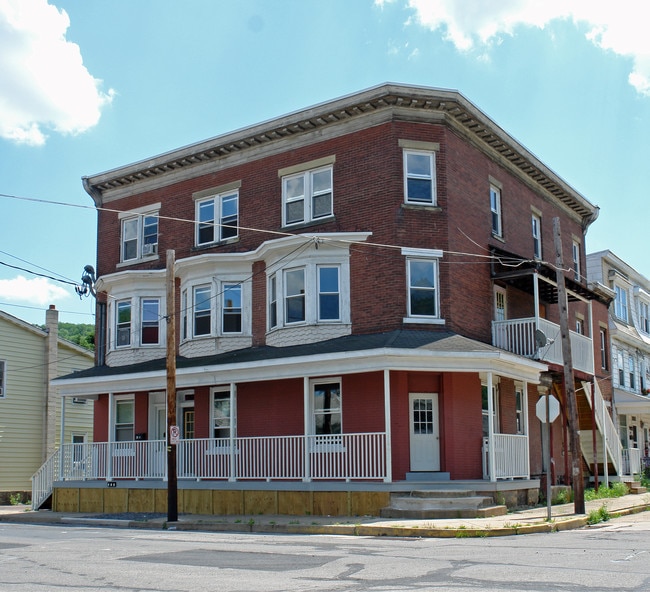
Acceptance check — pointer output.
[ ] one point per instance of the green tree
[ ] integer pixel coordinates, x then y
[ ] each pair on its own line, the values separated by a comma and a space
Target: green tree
81, 334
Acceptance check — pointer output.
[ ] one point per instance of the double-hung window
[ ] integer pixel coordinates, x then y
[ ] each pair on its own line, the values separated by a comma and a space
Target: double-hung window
644, 317
632, 372
575, 255
202, 310
123, 323
420, 177
231, 308
3, 379
217, 217
495, 209
327, 408
294, 295
603, 349
307, 196
139, 233
620, 303
222, 420
150, 321
621, 369
537, 236
329, 293
423, 302
124, 420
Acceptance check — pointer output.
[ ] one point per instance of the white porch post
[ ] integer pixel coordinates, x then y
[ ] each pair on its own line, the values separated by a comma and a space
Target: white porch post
389, 455
524, 411
233, 427
536, 298
605, 468
109, 444
62, 438
491, 443
307, 427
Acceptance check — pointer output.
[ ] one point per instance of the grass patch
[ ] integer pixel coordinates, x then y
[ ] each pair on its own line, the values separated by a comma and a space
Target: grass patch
597, 516
616, 489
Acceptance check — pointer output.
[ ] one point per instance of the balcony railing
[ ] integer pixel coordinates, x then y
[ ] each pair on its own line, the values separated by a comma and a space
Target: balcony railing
510, 457
341, 457
518, 336
631, 461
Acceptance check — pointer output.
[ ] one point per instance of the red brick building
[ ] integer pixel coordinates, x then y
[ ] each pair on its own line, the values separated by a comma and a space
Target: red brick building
365, 298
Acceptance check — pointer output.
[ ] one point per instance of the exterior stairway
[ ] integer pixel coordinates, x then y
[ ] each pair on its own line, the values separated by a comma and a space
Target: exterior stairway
442, 503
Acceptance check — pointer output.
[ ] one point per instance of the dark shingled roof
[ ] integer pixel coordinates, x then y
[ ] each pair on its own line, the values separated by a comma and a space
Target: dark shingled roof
441, 341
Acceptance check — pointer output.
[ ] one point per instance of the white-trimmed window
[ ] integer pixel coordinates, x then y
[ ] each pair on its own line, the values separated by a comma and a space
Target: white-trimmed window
632, 372
423, 302
222, 413
123, 323
217, 217
500, 304
575, 255
495, 209
485, 409
139, 238
202, 311
309, 294
149, 321
3, 379
327, 410
420, 177
231, 308
620, 303
603, 349
621, 369
580, 326
537, 236
519, 409
124, 419
644, 317
307, 196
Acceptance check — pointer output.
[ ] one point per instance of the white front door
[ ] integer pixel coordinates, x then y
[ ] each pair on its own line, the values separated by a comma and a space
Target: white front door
424, 432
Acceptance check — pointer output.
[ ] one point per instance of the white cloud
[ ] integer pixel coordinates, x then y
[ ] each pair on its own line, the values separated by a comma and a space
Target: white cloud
44, 84
38, 291
620, 27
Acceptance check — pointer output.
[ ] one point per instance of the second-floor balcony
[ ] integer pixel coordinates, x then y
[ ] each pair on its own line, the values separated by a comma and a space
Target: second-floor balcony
522, 337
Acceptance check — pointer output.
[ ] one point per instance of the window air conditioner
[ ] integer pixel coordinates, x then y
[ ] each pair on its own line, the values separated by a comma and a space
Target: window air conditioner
150, 249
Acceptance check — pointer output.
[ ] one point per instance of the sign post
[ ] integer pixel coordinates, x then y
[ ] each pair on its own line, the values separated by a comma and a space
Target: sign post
547, 411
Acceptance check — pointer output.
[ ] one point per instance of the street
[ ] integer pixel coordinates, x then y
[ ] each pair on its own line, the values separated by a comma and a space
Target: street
614, 556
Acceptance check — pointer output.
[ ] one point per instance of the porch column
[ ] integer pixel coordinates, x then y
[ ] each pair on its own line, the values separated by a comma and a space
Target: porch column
525, 431
109, 444
389, 465
536, 298
62, 438
307, 426
492, 444
233, 427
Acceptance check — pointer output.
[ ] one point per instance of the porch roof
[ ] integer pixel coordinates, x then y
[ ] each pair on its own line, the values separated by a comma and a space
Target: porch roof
630, 403
400, 350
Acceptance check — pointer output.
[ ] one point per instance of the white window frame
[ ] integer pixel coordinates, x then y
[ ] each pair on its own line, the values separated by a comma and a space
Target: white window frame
139, 219
429, 177
621, 308
519, 409
121, 399
148, 300
3, 379
277, 286
224, 227
118, 329
227, 423
644, 317
308, 196
332, 411
324, 293
226, 289
620, 362
495, 209
500, 303
495, 408
575, 254
603, 349
199, 312
631, 368
431, 257
536, 223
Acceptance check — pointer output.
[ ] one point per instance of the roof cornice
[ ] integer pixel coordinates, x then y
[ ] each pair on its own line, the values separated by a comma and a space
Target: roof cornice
381, 103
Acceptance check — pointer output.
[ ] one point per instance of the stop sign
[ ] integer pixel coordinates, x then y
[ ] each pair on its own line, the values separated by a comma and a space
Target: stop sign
553, 409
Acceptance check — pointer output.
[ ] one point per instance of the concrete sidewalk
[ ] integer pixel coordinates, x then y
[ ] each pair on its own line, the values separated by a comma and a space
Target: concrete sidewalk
519, 522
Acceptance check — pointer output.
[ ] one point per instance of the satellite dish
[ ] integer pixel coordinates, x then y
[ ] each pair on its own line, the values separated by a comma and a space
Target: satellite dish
540, 339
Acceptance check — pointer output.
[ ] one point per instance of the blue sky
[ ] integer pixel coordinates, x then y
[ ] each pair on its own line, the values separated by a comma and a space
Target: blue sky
89, 86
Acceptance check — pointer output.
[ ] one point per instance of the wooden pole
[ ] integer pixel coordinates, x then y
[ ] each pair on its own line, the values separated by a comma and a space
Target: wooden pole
569, 386
172, 485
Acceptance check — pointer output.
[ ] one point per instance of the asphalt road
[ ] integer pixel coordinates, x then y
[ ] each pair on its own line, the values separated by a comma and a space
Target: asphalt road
33, 558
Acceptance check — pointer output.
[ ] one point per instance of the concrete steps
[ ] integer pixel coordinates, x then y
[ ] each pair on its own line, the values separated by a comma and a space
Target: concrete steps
636, 487
441, 503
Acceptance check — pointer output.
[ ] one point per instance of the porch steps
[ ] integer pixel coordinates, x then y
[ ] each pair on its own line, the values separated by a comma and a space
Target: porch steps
441, 503
636, 487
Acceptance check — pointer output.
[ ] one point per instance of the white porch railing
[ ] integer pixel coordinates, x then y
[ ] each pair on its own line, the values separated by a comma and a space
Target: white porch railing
342, 457
510, 457
631, 461
43, 479
518, 336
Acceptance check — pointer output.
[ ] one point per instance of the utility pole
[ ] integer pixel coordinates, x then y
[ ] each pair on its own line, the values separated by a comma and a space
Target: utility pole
569, 385
172, 429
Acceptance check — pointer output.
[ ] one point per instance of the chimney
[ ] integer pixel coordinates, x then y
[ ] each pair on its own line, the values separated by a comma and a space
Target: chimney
51, 372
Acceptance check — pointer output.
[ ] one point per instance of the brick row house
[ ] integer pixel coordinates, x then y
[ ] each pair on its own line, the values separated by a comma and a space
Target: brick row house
628, 358
365, 299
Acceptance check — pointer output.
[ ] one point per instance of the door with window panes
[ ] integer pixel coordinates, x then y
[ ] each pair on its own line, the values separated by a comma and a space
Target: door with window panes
424, 432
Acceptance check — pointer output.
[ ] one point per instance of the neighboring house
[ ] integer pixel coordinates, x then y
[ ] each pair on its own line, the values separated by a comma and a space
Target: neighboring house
30, 405
365, 296
628, 360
